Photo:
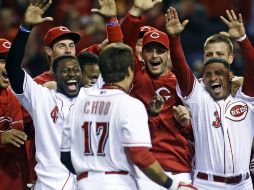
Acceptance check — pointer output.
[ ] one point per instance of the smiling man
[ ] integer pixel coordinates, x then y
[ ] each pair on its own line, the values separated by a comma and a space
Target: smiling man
222, 124
13, 160
48, 108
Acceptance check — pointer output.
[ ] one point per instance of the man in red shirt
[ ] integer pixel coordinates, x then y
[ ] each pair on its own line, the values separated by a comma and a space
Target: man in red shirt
155, 86
13, 160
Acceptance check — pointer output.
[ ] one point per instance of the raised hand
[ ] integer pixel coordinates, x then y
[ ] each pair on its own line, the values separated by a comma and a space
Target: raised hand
234, 24
156, 105
107, 8
14, 137
173, 24
141, 6
34, 12
181, 115
145, 5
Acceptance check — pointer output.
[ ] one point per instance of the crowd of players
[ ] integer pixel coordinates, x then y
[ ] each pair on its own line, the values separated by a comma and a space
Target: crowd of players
63, 130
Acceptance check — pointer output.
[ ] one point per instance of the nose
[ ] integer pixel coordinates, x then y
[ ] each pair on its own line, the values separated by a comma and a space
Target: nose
155, 54
71, 73
68, 50
213, 77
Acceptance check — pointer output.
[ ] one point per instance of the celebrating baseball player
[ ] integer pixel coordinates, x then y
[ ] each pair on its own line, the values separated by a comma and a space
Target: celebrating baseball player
13, 159
109, 130
222, 124
47, 108
155, 85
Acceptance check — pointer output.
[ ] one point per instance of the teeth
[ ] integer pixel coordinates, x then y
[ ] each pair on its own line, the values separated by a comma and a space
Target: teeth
214, 84
71, 81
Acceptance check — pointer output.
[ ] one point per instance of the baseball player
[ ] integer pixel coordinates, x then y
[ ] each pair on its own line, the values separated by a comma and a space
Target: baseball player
13, 159
47, 108
109, 130
89, 67
222, 124
170, 142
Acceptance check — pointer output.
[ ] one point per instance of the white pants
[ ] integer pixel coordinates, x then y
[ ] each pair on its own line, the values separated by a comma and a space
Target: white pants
69, 184
144, 183
102, 181
212, 185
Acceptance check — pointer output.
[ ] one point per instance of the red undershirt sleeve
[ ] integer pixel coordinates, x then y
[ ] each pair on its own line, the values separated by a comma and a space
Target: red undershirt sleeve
114, 33
184, 75
248, 54
130, 28
140, 156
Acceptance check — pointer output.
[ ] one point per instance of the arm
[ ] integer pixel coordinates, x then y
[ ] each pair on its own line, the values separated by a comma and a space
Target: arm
33, 16
109, 13
141, 157
237, 31
184, 75
134, 20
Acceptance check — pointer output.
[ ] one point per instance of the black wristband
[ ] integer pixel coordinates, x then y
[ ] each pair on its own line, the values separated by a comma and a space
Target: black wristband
168, 183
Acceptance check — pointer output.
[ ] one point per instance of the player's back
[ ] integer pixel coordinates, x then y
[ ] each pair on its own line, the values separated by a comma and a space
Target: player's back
102, 124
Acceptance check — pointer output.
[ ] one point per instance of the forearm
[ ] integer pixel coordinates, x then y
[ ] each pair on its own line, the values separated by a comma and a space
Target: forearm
13, 65
145, 161
114, 33
184, 75
248, 54
156, 174
130, 27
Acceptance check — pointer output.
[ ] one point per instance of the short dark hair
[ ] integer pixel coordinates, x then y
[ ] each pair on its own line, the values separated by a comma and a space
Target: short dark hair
219, 38
217, 60
114, 61
61, 58
87, 58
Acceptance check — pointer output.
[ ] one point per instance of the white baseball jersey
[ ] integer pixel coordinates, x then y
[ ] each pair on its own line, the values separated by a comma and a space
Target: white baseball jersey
223, 131
48, 110
102, 125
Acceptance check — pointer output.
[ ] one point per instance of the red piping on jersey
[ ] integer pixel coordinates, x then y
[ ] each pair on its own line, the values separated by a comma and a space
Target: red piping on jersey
66, 180
223, 139
231, 152
61, 106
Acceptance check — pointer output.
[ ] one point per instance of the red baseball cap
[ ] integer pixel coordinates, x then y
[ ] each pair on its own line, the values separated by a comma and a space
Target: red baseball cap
144, 29
156, 36
5, 45
60, 31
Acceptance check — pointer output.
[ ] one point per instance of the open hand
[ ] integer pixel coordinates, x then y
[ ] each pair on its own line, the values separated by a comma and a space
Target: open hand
107, 8
14, 137
235, 24
34, 12
173, 24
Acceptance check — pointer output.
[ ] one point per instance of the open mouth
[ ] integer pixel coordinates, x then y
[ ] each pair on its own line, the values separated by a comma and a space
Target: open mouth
5, 76
155, 63
216, 87
72, 85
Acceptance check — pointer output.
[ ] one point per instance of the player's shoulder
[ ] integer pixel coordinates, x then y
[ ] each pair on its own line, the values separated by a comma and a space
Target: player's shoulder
130, 101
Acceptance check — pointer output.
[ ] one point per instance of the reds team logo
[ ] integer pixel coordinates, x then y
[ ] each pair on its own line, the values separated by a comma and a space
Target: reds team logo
237, 111
5, 123
54, 114
217, 122
164, 92
7, 45
155, 35
64, 29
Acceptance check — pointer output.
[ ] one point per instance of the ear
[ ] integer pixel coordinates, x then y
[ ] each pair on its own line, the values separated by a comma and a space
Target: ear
48, 51
130, 72
231, 58
231, 75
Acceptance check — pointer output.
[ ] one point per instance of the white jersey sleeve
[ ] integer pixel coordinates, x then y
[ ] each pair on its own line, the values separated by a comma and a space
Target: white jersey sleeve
134, 128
